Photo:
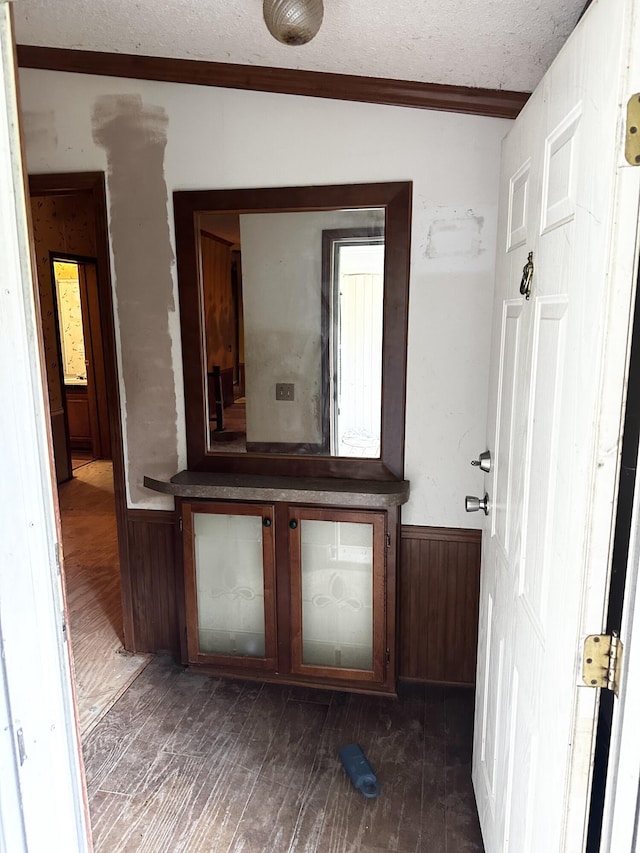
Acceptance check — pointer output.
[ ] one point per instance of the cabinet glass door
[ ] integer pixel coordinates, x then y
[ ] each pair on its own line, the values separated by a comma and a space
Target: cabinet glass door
337, 562
229, 583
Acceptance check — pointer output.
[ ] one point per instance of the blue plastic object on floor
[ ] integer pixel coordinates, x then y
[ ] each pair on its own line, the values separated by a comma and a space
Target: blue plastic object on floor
359, 770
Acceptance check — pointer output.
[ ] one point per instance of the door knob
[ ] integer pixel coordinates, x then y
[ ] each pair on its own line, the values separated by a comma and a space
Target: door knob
473, 504
483, 462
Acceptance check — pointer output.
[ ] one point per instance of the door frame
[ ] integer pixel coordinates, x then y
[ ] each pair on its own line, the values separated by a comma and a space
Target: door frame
93, 184
98, 407
622, 606
330, 319
68, 473
43, 790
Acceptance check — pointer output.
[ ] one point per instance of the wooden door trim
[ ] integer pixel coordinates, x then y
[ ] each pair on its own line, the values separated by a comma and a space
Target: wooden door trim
90, 271
89, 348
92, 332
499, 103
93, 184
55, 413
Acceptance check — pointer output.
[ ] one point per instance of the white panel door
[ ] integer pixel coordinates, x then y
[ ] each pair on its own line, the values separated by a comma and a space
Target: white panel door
556, 401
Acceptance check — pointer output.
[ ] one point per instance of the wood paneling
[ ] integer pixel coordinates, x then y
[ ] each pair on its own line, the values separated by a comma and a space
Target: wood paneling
152, 566
316, 84
220, 322
60, 224
438, 610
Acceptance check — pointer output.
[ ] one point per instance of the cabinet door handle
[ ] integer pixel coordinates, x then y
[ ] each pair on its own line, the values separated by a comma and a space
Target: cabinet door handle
293, 524
266, 522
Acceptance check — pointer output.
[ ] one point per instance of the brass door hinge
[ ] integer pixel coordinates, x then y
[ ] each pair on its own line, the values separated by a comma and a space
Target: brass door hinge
602, 660
632, 133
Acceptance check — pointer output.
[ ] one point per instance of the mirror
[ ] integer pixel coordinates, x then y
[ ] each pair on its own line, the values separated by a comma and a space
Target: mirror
293, 305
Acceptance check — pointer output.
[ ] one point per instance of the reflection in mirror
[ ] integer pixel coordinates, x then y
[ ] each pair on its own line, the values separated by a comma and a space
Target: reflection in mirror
353, 288
293, 322
293, 318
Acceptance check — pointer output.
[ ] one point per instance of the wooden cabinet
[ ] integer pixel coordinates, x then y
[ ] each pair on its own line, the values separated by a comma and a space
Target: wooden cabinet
229, 584
290, 592
78, 416
337, 577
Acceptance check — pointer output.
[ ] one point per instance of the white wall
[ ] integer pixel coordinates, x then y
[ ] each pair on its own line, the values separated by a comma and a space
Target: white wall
218, 138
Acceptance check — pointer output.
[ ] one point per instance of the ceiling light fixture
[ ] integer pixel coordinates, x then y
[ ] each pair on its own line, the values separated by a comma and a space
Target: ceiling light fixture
293, 22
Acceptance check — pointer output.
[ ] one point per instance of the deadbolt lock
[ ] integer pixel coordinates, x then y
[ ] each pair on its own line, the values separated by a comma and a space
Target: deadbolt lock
483, 462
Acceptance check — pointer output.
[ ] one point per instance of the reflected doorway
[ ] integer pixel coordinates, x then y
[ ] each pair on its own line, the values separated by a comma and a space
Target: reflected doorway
353, 288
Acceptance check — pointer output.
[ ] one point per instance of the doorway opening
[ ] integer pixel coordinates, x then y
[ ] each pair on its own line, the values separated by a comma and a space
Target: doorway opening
355, 283
71, 249
82, 359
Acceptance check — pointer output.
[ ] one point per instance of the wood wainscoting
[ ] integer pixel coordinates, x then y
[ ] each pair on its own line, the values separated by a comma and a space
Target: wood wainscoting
438, 604
152, 559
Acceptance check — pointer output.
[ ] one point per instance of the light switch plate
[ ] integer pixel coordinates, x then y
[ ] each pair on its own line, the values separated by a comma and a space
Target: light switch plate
284, 391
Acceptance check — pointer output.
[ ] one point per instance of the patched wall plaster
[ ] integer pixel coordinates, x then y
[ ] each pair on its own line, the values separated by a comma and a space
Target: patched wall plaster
134, 136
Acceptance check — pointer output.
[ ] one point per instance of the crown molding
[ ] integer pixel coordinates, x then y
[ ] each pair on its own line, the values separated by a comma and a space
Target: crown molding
317, 84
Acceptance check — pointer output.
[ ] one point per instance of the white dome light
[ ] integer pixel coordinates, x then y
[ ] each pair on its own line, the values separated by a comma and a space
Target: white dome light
293, 22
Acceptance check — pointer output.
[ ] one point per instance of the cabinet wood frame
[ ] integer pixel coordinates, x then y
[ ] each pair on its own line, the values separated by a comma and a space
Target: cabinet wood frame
282, 586
377, 520
194, 655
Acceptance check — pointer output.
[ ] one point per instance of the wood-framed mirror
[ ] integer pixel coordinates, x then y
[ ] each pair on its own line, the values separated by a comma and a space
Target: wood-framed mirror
293, 315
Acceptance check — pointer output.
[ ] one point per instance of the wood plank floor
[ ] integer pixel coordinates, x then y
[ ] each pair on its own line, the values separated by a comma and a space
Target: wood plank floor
184, 762
102, 668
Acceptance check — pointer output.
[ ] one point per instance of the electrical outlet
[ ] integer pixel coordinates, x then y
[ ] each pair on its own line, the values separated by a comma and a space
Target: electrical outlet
284, 391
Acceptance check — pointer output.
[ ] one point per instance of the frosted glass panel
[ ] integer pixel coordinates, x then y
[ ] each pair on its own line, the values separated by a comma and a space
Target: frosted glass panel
230, 584
337, 594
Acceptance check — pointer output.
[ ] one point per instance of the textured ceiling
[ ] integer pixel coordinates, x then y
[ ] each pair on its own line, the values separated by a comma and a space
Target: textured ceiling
498, 44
